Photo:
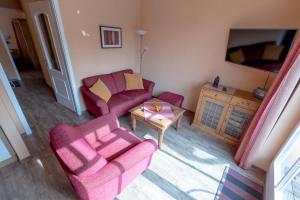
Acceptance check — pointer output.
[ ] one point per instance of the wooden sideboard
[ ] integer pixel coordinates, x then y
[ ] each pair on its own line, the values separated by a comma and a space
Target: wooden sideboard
225, 114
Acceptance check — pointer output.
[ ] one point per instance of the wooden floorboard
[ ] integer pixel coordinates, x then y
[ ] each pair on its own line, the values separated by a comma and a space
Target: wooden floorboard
189, 166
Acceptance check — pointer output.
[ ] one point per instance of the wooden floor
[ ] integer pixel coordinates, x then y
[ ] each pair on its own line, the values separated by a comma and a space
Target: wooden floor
189, 166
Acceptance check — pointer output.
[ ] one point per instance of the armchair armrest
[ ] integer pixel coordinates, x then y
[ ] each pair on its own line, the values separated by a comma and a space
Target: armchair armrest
101, 125
89, 97
123, 163
148, 85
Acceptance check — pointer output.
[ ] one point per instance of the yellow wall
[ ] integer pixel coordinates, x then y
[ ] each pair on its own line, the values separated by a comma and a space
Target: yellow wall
187, 41
288, 120
87, 57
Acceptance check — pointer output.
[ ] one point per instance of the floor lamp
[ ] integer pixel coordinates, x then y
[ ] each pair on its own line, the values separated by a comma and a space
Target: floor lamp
141, 33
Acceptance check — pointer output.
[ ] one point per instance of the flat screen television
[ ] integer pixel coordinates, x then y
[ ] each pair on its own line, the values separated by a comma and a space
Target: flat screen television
264, 49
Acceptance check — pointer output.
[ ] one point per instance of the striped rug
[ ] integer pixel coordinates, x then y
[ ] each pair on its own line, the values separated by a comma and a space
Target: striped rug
234, 186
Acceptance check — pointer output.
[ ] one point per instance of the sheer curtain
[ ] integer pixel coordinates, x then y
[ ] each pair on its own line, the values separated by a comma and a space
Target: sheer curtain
270, 109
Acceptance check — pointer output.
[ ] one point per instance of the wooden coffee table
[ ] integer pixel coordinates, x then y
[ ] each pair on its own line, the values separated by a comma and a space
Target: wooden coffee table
160, 125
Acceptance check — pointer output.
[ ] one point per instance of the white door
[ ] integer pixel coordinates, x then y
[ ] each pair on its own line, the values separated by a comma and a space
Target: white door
47, 29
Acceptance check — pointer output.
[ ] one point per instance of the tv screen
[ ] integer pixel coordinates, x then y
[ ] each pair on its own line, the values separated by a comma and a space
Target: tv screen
264, 49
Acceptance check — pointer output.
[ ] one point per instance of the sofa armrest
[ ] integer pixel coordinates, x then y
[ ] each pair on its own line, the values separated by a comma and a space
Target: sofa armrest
148, 85
100, 125
90, 97
122, 163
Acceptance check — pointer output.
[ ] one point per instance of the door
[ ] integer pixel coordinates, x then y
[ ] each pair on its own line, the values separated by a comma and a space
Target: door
283, 178
49, 38
236, 121
212, 114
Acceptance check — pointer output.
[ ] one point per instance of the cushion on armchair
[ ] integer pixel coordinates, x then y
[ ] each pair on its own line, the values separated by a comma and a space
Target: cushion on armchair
74, 151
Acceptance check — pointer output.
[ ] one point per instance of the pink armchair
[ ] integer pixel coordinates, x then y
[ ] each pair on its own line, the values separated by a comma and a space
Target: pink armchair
100, 158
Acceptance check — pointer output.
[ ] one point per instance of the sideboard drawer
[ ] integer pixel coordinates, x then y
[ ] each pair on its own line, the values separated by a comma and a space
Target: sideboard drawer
244, 103
217, 95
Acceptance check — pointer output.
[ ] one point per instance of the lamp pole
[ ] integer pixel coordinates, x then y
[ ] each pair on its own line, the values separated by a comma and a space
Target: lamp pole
141, 33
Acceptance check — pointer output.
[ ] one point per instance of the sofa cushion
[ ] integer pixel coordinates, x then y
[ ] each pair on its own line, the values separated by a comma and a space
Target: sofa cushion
101, 90
116, 143
138, 96
74, 151
107, 80
134, 81
119, 104
120, 79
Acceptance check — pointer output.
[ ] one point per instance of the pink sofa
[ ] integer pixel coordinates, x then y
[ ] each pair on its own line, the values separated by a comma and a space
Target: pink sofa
121, 101
100, 158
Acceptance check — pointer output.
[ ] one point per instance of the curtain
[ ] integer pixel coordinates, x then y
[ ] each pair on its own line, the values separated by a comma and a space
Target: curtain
270, 109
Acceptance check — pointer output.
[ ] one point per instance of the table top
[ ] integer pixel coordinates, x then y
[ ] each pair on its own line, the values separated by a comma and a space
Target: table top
138, 111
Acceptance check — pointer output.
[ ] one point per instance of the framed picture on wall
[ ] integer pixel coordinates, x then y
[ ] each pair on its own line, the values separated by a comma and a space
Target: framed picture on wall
111, 37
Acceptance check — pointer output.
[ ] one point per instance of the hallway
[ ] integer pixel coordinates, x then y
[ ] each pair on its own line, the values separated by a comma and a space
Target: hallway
189, 167
40, 176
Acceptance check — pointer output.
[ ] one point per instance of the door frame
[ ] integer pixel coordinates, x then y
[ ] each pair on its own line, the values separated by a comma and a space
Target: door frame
11, 60
14, 101
54, 6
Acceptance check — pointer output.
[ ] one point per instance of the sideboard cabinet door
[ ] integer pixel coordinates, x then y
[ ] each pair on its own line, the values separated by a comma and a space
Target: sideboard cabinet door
212, 114
236, 122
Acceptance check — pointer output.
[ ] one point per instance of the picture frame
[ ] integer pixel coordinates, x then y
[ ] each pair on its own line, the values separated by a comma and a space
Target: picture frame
111, 37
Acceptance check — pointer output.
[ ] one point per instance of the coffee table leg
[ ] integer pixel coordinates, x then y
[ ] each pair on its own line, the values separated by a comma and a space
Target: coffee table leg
178, 123
160, 138
133, 122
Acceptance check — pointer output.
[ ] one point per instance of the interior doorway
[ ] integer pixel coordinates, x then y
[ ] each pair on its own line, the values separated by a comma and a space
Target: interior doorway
52, 56
46, 26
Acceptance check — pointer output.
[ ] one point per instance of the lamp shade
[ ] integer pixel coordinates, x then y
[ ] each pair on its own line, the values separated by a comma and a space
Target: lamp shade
141, 32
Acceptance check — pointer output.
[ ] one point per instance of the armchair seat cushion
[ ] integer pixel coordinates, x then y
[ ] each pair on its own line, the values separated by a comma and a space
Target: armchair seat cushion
115, 143
75, 152
138, 96
120, 104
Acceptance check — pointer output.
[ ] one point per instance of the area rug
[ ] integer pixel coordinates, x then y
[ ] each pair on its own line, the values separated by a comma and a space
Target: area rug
234, 186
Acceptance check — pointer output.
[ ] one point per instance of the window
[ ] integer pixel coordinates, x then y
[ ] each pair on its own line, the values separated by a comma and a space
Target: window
285, 169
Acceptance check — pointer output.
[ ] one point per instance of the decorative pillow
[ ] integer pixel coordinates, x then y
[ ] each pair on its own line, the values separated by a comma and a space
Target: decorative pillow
133, 81
272, 52
237, 56
101, 90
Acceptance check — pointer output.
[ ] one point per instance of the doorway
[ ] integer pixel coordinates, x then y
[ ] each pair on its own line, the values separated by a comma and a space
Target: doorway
53, 56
